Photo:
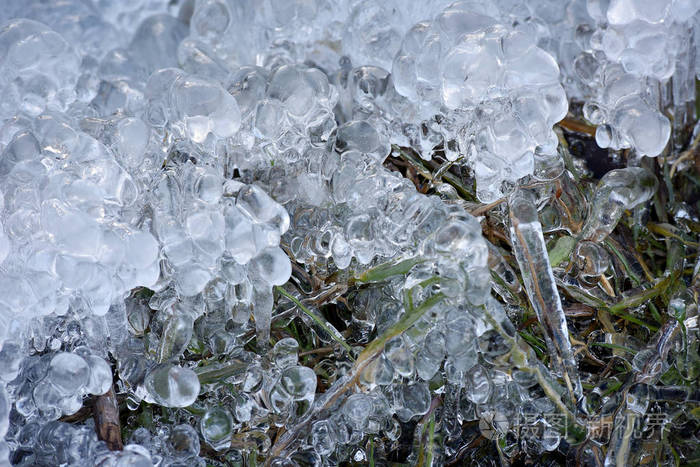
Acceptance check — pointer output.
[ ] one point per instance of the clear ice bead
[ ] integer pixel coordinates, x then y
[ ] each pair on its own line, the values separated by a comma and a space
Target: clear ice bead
69, 373
172, 386
216, 427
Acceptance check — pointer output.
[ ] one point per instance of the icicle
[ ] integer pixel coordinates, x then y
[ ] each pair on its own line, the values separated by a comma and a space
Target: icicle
531, 254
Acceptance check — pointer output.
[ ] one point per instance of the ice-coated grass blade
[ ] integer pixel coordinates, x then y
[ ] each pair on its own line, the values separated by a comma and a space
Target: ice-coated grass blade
531, 254
319, 320
372, 351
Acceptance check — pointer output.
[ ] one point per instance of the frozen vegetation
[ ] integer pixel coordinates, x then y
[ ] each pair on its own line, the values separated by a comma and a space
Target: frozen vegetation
357, 232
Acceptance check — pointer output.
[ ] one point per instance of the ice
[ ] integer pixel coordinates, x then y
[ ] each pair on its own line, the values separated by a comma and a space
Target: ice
530, 251
54, 385
10, 360
412, 400
634, 38
4, 246
167, 166
476, 73
177, 332
141, 249
648, 365
617, 191
205, 107
39, 68
154, 43
210, 19
360, 136
285, 352
172, 386
240, 242
132, 137
431, 355
133, 455
255, 203
626, 11
293, 392
68, 372
299, 382
4, 411
217, 427
322, 438
244, 409
100, 380
398, 353
262, 304
356, 411
217, 228
183, 440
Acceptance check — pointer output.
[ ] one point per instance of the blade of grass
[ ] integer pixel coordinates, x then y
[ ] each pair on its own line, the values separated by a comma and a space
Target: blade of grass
538, 346
636, 279
220, 371
386, 270
615, 347
321, 322
370, 352
450, 178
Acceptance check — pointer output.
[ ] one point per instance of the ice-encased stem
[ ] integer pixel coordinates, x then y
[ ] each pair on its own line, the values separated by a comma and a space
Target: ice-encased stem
620, 445
618, 190
348, 381
531, 253
504, 280
524, 359
319, 320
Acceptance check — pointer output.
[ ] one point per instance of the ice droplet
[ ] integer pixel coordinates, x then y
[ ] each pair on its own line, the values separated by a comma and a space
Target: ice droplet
172, 386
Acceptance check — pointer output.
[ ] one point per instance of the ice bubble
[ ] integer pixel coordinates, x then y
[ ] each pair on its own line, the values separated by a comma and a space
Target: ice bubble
205, 107
217, 427
357, 410
69, 373
39, 68
172, 386
299, 382
272, 266
100, 380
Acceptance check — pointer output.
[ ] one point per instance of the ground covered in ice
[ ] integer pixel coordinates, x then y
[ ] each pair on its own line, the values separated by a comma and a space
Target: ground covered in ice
358, 232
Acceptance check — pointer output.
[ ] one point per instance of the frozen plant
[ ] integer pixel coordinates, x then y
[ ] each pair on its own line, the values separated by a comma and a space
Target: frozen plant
306, 232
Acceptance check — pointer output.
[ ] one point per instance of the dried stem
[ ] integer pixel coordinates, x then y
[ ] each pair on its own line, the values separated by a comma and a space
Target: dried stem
106, 414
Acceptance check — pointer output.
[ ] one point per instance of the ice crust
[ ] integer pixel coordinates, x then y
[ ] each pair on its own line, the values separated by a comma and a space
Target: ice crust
161, 162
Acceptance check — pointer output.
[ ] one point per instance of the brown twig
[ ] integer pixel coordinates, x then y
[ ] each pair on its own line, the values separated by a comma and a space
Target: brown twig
577, 126
79, 417
319, 351
484, 208
689, 153
106, 414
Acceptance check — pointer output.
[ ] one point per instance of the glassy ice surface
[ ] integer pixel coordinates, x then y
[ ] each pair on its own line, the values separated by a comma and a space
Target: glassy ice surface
531, 253
165, 166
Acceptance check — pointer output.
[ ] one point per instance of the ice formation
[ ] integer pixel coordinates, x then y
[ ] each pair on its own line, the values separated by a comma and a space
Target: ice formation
165, 164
